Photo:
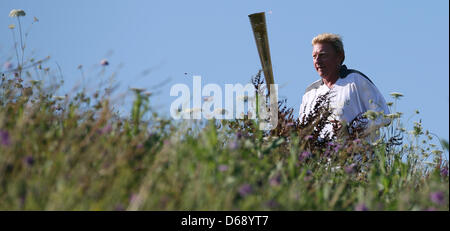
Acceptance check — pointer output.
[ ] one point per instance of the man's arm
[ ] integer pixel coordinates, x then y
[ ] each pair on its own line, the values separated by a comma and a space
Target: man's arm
372, 100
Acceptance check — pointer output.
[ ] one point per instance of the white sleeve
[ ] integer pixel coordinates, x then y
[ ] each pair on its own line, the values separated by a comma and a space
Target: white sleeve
302, 107
371, 99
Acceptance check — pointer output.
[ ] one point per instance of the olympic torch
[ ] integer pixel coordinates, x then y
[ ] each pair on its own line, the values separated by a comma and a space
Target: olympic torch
258, 21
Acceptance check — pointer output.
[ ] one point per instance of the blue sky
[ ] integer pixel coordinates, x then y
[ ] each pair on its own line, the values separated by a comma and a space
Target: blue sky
403, 46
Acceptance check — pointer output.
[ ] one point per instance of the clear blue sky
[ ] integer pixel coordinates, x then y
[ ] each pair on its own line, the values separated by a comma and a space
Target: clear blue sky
403, 46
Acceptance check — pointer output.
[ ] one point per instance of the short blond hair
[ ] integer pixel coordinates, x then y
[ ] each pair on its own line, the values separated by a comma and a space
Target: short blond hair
334, 39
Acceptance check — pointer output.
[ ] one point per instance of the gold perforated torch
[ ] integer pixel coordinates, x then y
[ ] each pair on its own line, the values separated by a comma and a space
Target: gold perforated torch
258, 21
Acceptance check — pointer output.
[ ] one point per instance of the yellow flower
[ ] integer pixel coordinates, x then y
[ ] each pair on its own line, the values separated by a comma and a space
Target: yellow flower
372, 115
16, 13
396, 94
12, 26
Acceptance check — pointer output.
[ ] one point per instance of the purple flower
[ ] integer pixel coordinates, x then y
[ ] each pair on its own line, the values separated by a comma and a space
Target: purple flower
233, 145
444, 171
337, 147
106, 129
276, 180
308, 176
223, 167
361, 207
350, 169
304, 155
133, 197
357, 141
239, 135
308, 137
139, 146
437, 197
431, 209
29, 160
245, 189
4, 138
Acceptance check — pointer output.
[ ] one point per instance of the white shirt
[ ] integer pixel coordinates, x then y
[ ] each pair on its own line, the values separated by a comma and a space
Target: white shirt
354, 94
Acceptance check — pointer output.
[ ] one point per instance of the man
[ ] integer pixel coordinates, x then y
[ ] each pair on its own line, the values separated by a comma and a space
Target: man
353, 93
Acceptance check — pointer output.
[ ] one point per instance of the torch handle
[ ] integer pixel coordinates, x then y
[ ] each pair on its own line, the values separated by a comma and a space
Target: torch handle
258, 22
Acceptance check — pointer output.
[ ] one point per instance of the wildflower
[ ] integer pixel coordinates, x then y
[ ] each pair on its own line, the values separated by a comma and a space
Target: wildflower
133, 197
245, 190
27, 91
337, 147
396, 95
239, 135
437, 197
58, 97
29, 160
8, 65
444, 171
104, 62
304, 155
361, 207
223, 167
16, 13
392, 116
350, 169
275, 181
372, 115
308, 176
233, 145
4, 138
436, 152
35, 82
308, 137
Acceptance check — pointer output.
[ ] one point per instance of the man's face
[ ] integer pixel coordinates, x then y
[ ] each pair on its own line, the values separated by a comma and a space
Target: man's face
326, 60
